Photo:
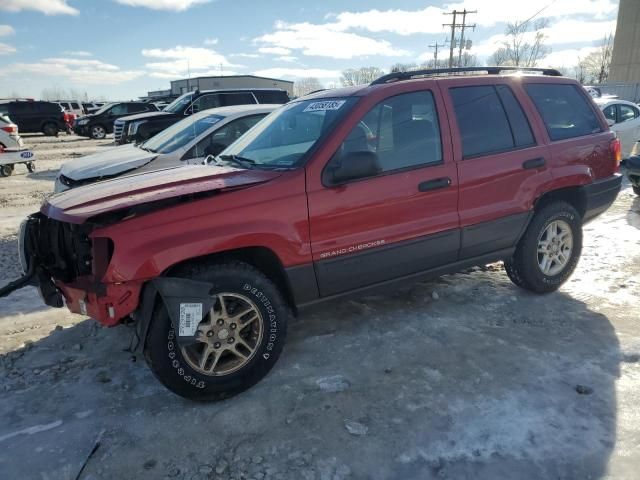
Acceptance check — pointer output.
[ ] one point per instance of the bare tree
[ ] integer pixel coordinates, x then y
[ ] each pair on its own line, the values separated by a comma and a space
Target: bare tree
596, 64
499, 57
580, 71
360, 76
306, 85
403, 67
469, 60
520, 49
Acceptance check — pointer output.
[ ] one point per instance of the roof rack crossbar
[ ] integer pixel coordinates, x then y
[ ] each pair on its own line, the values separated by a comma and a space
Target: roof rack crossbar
398, 76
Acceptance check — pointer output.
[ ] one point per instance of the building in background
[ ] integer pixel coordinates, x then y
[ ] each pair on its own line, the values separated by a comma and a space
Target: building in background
178, 87
625, 61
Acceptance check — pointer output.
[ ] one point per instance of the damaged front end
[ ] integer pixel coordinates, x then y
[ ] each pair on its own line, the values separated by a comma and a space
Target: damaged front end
67, 264
50, 250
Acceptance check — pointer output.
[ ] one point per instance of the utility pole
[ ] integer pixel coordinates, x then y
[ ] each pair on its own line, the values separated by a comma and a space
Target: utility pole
435, 53
464, 25
453, 26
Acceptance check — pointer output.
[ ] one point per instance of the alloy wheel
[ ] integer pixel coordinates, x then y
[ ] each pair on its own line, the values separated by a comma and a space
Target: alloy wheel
227, 338
555, 245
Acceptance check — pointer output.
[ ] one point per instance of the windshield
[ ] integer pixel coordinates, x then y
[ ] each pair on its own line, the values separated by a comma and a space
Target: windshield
179, 134
179, 103
283, 138
104, 108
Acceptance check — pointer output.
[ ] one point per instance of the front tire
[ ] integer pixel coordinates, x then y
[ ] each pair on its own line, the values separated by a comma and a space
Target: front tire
6, 170
549, 251
240, 339
98, 132
636, 190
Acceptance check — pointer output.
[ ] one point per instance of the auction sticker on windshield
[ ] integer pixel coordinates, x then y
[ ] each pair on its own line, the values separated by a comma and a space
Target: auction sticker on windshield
326, 105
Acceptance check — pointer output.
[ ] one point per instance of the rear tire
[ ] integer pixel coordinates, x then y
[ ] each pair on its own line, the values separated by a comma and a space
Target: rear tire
98, 132
636, 190
50, 129
259, 336
549, 251
6, 170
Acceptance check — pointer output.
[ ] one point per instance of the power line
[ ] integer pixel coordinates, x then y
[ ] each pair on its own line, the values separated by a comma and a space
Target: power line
455, 25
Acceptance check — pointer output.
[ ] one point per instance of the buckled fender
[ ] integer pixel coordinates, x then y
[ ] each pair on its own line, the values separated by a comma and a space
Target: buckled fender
177, 295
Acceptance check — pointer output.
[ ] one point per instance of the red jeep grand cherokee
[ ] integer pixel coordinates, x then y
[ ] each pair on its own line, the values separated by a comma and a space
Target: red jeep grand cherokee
413, 176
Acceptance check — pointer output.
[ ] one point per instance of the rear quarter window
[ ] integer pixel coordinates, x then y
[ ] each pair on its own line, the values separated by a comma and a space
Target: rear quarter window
271, 97
565, 111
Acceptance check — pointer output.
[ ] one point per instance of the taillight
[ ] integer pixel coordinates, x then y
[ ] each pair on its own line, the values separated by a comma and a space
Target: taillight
10, 129
616, 153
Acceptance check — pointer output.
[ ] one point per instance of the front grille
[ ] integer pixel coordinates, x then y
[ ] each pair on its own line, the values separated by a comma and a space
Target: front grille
118, 130
62, 249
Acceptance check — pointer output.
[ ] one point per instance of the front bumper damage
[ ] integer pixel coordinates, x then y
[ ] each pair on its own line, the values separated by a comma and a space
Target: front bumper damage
57, 258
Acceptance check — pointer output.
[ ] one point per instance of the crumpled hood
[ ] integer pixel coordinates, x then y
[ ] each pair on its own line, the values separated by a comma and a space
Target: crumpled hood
79, 204
106, 163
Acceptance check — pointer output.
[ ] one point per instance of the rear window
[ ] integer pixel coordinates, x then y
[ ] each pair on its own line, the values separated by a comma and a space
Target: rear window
489, 122
565, 110
271, 97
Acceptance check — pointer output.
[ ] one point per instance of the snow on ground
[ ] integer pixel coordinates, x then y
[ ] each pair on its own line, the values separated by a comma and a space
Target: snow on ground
479, 380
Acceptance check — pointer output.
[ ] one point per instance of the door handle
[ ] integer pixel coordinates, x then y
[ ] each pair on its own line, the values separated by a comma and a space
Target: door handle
435, 184
534, 163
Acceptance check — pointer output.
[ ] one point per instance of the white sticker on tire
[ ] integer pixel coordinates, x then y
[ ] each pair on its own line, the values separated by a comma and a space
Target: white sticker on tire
190, 316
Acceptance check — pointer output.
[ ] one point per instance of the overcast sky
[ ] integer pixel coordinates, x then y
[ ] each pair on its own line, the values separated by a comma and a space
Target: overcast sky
123, 48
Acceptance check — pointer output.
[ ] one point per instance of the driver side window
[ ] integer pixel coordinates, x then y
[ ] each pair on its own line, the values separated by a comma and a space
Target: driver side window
119, 109
400, 132
205, 102
217, 141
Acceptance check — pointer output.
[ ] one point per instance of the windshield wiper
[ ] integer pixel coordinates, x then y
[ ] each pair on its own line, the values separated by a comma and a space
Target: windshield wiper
243, 162
146, 149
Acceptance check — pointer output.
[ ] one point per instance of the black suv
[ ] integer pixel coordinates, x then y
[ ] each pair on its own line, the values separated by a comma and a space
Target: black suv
97, 125
35, 116
137, 128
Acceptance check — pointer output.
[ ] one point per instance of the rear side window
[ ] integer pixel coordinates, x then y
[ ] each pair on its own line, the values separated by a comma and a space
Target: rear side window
228, 99
627, 112
565, 111
520, 128
483, 122
23, 107
271, 97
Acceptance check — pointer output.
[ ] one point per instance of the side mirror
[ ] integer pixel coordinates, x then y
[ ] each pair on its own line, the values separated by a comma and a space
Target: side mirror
214, 149
610, 122
354, 165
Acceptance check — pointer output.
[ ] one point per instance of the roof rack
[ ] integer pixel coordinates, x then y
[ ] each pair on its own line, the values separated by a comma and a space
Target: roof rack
398, 76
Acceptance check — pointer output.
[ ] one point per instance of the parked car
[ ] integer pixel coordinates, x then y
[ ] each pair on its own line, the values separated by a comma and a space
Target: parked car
35, 116
187, 142
9, 137
97, 125
72, 106
624, 118
138, 128
211, 261
632, 166
91, 107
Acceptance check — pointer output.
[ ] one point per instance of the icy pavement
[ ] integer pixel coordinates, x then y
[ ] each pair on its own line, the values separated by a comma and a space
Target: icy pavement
480, 381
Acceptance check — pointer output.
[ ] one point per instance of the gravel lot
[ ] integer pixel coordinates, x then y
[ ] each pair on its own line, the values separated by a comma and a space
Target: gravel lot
464, 377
